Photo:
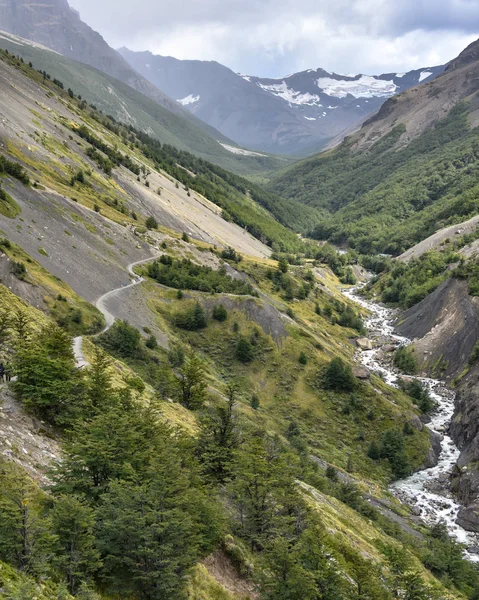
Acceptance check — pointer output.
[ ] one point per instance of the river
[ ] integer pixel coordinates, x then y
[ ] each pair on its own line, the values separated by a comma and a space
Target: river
426, 491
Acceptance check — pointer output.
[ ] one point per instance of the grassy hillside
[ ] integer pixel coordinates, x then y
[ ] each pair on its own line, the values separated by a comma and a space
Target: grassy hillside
107, 145
126, 104
220, 443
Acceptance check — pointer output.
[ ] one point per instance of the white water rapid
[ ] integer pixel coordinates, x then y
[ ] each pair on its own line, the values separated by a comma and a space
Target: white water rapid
426, 491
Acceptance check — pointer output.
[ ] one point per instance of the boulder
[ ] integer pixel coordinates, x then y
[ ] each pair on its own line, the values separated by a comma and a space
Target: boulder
432, 457
469, 518
389, 348
364, 344
361, 373
416, 423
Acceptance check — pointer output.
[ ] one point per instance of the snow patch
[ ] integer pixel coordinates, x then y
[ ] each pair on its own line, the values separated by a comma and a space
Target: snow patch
189, 100
245, 77
281, 90
310, 118
23, 42
364, 87
241, 151
424, 75
400, 75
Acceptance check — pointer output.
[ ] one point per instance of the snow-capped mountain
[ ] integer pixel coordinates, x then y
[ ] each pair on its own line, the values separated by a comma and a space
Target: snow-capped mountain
298, 114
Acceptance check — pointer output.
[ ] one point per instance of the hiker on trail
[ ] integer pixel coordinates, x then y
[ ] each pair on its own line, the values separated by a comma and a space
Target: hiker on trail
8, 373
2, 372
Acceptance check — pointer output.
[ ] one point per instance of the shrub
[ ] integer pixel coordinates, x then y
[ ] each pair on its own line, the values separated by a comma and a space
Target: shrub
331, 473
405, 361
244, 350
231, 254
220, 313
338, 376
19, 270
303, 359
255, 402
186, 275
192, 319
151, 343
78, 177
122, 339
151, 223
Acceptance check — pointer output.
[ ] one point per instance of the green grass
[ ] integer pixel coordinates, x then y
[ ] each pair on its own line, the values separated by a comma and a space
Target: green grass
8, 207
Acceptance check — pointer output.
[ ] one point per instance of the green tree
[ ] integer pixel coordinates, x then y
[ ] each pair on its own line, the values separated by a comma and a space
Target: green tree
24, 538
244, 350
284, 577
405, 360
149, 532
151, 223
5, 325
219, 438
392, 448
47, 381
220, 313
338, 377
191, 382
109, 447
255, 402
122, 339
75, 554
99, 379
264, 489
374, 451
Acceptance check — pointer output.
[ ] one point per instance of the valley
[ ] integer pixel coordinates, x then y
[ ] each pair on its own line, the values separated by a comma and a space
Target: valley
234, 376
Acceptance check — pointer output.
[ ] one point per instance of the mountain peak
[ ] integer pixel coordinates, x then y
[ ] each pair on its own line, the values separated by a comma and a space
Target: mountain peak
297, 114
467, 57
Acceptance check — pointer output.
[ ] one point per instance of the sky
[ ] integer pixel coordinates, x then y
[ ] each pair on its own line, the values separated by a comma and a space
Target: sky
273, 38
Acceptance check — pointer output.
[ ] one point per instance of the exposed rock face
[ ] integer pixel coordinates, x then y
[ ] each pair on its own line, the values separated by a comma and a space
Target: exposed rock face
469, 518
434, 452
55, 25
444, 327
465, 424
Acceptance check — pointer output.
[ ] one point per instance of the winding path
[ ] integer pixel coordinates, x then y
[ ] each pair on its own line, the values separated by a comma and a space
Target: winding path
80, 360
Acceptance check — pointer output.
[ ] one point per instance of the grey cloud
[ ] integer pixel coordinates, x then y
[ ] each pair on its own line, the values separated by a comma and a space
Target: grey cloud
271, 37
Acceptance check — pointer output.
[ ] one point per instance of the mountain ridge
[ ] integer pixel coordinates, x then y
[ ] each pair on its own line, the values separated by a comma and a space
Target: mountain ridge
292, 115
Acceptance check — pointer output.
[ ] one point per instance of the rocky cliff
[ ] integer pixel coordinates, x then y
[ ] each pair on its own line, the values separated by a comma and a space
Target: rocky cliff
445, 330
55, 25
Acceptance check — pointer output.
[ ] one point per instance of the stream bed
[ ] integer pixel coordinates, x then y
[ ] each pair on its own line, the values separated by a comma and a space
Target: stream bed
426, 492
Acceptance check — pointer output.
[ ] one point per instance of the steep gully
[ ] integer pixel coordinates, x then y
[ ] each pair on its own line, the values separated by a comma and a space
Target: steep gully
80, 359
426, 491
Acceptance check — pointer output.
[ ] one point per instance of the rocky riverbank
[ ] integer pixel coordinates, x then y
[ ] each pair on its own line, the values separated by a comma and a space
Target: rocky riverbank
428, 492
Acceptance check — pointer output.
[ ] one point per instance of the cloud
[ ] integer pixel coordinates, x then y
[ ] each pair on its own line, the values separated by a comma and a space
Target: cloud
275, 37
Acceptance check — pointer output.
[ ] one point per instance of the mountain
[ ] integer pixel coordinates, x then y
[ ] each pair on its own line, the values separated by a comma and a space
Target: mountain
411, 169
195, 395
130, 106
295, 115
53, 24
